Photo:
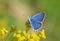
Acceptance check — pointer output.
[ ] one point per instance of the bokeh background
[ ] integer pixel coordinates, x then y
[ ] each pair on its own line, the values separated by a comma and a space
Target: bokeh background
16, 12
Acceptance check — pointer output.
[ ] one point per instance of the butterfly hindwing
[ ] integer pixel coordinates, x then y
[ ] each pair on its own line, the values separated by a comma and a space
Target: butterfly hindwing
36, 25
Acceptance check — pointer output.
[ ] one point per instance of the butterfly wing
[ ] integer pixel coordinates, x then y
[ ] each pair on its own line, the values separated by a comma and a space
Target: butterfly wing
36, 25
36, 20
38, 17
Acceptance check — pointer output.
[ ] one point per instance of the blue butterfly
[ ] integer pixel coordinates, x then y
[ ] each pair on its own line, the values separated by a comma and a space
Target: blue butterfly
36, 20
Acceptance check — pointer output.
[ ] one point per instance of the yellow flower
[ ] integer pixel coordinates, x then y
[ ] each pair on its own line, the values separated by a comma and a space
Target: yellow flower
19, 32
24, 33
33, 36
31, 40
28, 36
3, 31
39, 35
16, 36
42, 33
22, 38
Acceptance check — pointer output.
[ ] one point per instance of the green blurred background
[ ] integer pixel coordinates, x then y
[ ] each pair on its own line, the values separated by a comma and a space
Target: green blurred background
16, 11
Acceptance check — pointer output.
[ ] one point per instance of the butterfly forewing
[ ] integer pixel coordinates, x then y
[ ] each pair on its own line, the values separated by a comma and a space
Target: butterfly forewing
38, 17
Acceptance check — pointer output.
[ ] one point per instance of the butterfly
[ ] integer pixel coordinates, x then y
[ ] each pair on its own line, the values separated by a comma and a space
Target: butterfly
36, 20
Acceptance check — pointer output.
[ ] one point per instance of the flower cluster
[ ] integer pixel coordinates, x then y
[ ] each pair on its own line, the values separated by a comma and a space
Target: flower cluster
3, 31
18, 36
29, 37
24, 36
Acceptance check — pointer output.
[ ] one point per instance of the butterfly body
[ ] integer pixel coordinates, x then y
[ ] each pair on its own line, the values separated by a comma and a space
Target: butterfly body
36, 20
